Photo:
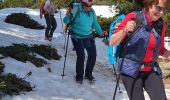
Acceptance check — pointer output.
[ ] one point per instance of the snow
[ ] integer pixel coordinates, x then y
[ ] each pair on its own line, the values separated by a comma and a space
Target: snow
105, 11
50, 85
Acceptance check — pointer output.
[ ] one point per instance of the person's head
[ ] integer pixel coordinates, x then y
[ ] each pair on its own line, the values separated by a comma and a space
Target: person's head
87, 4
155, 8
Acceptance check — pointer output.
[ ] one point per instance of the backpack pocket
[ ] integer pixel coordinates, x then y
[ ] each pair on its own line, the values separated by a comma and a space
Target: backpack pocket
128, 67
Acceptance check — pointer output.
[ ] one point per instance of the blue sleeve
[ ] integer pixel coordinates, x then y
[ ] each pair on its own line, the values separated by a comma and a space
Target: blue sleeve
66, 19
96, 24
76, 6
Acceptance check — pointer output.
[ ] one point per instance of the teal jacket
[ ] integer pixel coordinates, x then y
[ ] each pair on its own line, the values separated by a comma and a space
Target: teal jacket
84, 22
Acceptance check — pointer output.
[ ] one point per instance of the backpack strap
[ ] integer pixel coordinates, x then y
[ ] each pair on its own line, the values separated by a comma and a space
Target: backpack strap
78, 14
72, 19
140, 21
158, 26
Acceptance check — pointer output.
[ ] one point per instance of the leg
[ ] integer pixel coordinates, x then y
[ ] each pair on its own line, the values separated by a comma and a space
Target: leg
154, 87
53, 26
48, 27
91, 51
80, 58
134, 87
72, 43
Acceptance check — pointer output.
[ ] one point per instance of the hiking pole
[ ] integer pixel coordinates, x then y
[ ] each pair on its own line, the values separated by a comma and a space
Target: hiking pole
62, 27
116, 78
120, 70
65, 56
49, 67
107, 43
116, 87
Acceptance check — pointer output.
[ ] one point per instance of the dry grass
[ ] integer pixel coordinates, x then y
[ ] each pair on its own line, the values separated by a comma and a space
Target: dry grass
165, 66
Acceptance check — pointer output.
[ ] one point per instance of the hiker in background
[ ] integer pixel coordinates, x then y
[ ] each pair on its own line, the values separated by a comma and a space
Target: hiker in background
84, 20
139, 53
50, 20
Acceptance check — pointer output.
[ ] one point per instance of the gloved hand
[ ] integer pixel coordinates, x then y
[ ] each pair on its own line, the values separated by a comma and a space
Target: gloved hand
104, 33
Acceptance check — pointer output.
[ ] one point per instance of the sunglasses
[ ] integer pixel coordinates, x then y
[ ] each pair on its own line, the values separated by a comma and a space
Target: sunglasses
160, 9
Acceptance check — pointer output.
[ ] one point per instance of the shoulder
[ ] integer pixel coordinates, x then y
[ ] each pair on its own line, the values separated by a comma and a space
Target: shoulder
128, 17
92, 10
47, 2
131, 15
160, 26
77, 5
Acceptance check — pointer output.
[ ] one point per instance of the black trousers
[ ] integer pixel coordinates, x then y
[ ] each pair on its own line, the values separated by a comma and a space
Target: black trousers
150, 81
51, 25
80, 46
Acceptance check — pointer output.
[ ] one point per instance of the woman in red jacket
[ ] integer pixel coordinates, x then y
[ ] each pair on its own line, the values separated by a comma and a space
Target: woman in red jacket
137, 63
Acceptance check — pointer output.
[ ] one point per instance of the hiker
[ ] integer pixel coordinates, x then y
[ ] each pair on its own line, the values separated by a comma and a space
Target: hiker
138, 54
84, 20
50, 20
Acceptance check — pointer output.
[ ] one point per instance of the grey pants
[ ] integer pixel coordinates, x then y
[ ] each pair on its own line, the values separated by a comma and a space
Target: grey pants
150, 81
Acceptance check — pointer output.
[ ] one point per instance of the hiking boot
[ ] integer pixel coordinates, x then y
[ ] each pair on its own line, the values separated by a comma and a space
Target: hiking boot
90, 78
79, 80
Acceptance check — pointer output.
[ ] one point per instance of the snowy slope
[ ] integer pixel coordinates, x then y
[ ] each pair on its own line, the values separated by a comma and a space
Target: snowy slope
51, 86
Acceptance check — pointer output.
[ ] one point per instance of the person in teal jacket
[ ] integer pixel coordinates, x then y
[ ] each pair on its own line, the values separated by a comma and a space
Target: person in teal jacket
83, 20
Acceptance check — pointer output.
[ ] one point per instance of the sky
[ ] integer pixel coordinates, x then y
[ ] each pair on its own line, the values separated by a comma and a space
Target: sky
50, 85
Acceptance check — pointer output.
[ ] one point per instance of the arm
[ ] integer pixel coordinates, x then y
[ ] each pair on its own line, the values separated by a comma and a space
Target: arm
66, 19
167, 54
68, 16
46, 5
96, 24
117, 37
71, 14
164, 52
124, 28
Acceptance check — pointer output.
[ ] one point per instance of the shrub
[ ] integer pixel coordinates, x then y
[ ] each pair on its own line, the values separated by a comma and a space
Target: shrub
16, 3
125, 6
23, 53
10, 84
166, 17
1, 67
24, 20
105, 22
46, 51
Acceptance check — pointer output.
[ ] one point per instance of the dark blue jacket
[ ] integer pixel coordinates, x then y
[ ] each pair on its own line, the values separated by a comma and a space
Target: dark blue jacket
133, 49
